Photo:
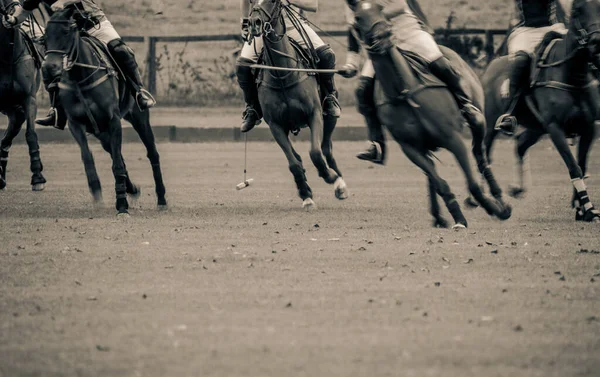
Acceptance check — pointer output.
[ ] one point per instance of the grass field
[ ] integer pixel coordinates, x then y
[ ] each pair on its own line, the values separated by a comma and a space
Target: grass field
244, 283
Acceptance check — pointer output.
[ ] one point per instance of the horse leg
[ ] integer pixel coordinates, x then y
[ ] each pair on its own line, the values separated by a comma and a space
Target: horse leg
458, 149
295, 164
37, 179
316, 155
438, 219
341, 190
575, 172
141, 123
118, 166
78, 132
15, 121
441, 186
483, 164
131, 188
525, 140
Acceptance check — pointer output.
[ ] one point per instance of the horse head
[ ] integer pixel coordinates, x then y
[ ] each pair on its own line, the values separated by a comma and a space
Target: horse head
585, 22
61, 35
374, 29
264, 17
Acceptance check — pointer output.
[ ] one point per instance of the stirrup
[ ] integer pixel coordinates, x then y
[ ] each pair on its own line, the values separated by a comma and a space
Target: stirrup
504, 118
143, 93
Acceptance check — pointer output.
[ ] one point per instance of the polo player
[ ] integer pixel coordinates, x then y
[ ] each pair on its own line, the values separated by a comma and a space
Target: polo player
253, 47
410, 33
103, 31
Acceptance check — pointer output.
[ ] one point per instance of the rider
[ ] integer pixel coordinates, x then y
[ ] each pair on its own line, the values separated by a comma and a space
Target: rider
105, 32
534, 19
411, 33
253, 47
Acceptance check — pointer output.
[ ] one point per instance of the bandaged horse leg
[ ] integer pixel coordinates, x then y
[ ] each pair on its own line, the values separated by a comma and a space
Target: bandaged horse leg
35, 162
253, 113
56, 117
125, 58
331, 105
376, 152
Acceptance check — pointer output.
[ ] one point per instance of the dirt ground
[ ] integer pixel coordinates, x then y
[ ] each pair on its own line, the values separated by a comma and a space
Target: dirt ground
244, 283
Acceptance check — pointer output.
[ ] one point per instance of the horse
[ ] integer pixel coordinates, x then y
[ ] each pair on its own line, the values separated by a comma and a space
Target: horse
95, 97
19, 83
421, 115
291, 101
560, 99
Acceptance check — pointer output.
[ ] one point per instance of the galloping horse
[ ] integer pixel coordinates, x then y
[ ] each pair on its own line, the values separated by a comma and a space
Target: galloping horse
19, 83
420, 113
95, 98
562, 101
290, 101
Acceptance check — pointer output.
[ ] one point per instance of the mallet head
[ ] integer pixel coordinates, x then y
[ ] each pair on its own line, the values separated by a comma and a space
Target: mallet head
244, 184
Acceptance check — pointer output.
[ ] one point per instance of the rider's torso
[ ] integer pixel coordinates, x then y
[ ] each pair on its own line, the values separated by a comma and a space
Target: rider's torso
536, 13
88, 6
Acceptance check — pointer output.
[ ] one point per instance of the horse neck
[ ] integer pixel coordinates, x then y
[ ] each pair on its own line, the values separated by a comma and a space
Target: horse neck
7, 49
279, 52
84, 55
576, 68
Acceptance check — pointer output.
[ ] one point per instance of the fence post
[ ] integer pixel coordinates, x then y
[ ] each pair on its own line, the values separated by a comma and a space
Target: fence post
489, 45
150, 64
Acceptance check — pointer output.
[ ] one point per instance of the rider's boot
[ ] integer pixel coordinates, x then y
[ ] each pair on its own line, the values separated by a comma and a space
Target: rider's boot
56, 117
252, 114
331, 105
125, 58
376, 152
507, 123
443, 69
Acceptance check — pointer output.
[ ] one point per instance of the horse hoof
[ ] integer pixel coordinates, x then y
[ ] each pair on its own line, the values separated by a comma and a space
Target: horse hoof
135, 192
458, 227
341, 190
516, 192
506, 213
123, 215
162, 207
308, 204
38, 187
440, 223
470, 202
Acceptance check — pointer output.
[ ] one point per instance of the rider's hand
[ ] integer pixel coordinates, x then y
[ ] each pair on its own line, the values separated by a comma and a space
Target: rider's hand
9, 22
59, 5
348, 70
245, 29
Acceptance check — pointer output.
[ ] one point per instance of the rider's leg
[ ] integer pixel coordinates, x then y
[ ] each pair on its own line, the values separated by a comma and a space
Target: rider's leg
519, 70
125, 58
253, 113
365, 98
331, 105
56, 116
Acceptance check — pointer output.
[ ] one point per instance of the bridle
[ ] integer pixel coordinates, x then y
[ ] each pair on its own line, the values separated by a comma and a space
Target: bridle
267, 26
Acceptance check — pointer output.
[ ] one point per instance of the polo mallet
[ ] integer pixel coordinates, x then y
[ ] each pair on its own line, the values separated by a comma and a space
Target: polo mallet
246, 182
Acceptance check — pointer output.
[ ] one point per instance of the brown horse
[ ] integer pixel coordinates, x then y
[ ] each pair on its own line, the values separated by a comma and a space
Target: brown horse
95, 98
420, 113
19, 83
290, 101
563, 101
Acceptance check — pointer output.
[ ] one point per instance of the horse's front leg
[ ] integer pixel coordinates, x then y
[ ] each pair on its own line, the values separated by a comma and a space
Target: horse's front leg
522, 180
295, 164
131, 188
38, 181
118, 166
434, 206
329, 123
316, 154
585, 144
483, 164
16, 117
557, 135
78, 131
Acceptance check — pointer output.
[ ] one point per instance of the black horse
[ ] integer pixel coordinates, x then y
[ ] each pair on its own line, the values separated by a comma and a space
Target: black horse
95, 98
563, 100
19, 83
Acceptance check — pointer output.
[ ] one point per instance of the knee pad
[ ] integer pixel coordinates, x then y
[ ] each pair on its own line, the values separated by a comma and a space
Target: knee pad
365, 98
244, 73
326, 57
120, 50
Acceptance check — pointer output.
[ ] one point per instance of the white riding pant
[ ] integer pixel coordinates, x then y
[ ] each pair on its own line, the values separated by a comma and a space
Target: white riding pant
528, 38
32, 29
104, 31
253, 49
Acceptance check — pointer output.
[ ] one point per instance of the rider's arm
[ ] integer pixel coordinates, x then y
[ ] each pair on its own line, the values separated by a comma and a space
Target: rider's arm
393, 8
307, 5
20, 15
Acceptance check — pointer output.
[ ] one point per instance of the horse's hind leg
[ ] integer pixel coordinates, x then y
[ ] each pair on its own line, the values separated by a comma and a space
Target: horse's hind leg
434, 206
141, 123
295, 164
37, 179
131, 188
341, 190
585, 143
316, 154
524, 141
77, 130
118, 166
483, 164
16, 117
441, 186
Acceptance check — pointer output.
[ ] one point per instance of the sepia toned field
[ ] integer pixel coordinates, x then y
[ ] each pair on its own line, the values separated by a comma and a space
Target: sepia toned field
245, 283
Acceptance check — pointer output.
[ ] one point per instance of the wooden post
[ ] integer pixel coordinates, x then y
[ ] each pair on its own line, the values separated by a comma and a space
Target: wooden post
489, 45
150, 64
